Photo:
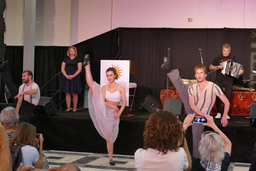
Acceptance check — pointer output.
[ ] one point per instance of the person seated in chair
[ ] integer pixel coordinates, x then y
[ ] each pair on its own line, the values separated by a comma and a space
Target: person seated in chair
28, 96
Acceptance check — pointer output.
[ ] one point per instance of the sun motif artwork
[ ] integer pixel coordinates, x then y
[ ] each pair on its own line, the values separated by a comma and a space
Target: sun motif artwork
118, 70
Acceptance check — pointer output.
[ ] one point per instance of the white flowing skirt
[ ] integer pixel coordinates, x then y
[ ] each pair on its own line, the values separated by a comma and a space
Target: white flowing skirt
102, 116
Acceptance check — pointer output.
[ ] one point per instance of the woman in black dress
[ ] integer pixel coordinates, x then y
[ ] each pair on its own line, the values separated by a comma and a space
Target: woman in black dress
70, 82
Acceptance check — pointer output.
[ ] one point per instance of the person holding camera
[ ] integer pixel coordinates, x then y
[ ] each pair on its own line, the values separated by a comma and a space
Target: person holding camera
165, 148
214, 148
25, 136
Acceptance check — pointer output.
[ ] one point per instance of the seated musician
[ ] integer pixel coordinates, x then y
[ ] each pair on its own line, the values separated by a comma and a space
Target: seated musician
223, 81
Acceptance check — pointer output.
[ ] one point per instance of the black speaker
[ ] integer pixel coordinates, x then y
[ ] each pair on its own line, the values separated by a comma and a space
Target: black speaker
253, 110
46, 106
252, 113
151, 104
173, 105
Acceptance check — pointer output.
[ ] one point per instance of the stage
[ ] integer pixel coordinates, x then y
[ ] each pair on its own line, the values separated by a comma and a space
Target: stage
70, 131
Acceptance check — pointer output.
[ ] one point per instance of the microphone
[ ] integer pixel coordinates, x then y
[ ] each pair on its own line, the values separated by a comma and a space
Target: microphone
200, 50
166, 64
165, 59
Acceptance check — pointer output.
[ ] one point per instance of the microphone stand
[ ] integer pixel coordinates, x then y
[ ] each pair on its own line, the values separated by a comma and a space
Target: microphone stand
169, 53
201, 56
213, 71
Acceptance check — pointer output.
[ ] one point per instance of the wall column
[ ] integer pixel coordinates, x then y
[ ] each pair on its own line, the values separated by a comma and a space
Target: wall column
29, 34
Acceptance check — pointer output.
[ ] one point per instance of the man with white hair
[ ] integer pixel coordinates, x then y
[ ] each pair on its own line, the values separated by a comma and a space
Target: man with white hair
9, 118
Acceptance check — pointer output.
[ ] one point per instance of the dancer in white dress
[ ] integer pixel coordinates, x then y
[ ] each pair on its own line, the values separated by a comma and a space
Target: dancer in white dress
103, 105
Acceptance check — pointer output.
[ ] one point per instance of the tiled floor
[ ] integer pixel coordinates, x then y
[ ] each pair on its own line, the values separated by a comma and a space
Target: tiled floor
90, 161
99, 162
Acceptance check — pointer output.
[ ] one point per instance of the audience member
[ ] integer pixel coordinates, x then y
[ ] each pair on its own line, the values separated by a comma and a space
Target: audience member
25, 136
25, 168
163, 138
66, 167
5, 155
10, 119
214, 149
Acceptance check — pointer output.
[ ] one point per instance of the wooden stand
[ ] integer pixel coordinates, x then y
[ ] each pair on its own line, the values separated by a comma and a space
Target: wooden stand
125, 114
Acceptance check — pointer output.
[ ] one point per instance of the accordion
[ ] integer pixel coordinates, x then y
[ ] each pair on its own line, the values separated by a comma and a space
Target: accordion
231, 68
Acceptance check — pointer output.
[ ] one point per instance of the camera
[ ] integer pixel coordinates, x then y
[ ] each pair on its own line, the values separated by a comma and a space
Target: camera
37, 136
199, 120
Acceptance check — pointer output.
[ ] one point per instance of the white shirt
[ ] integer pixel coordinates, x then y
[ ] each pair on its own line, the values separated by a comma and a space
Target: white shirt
152, 160
34, 99
205, 100
30, 155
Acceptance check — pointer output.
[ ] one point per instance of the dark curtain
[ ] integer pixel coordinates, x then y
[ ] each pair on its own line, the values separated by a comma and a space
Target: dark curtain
48, 71
146, 47
102, 47
14, 54
47, 65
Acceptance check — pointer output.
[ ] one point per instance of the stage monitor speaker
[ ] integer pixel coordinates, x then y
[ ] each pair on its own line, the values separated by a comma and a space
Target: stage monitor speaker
173, 105
151, 104
253, 110
46, 106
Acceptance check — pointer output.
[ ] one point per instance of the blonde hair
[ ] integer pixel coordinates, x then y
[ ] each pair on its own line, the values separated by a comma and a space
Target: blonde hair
211, 147
72, 47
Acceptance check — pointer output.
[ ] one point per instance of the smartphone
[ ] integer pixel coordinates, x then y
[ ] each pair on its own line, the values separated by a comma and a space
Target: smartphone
199, 120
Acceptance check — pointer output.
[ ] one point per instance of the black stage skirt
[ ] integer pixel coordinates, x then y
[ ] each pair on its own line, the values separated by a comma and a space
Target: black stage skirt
71, 86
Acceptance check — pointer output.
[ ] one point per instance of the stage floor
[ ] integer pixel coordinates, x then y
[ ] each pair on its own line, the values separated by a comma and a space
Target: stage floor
74, 131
